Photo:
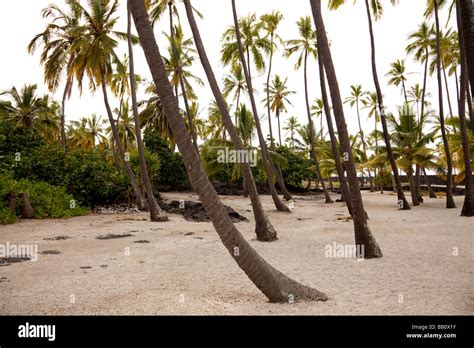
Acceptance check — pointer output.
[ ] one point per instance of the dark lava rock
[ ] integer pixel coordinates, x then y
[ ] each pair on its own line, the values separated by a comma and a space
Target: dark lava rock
194, 211
114, 236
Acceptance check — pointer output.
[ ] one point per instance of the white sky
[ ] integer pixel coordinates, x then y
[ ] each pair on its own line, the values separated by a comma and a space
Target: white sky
347, 28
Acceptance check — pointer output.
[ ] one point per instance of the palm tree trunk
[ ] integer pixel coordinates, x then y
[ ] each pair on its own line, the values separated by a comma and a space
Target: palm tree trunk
268, 96
156, 214
265, 155
418, 184
449, 192
363, 236
425, 78
364, 145
273, 284
466, 10
263, 227
133, 181
279, 126
63, 114
312, 132
447, 90
469, 105
405, 92
468, 206
402, 201
428, 183
414, 196
346, 197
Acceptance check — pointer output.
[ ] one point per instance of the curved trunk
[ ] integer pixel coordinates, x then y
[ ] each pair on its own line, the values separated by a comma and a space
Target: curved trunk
418, 184
63, 114
312, 132
133, 180
425, 78
364, 145
273, 284
402, 201
267, 163
279, 126
449, 192
447, 90
468, 206
156, 214
363, 236
332, 135
263, 227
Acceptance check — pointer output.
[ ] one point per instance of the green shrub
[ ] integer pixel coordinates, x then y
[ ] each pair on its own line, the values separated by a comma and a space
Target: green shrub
299, 167
6, 216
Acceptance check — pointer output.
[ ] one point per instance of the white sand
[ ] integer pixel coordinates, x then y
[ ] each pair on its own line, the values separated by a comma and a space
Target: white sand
178, 274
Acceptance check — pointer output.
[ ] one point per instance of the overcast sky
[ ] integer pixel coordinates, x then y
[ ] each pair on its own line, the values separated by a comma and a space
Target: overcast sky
347, 28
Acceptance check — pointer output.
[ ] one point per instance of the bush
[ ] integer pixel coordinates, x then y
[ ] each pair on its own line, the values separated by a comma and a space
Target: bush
49, 201
7, 185
172, 171
299, 167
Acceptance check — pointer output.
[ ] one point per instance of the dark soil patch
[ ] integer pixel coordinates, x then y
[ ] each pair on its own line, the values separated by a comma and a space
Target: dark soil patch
7, 261
3, 279
114, 236
50, 252
142, 241
189, 233
194, 211
58, 238
85, 267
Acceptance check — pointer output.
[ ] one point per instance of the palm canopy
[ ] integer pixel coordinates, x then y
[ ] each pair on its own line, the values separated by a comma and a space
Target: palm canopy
234, 83
58, 37
181, 58
356, 95
305, 45
279, 94
28, 110
420, 42
157, 8
252, 42
375, 5
270, 23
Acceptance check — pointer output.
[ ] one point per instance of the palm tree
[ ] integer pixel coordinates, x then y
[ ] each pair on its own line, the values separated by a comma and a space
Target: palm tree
420, 47
264, 149
156, 214
417, 95
275, 285
317, 110
354, 100
254, 45
279, 97
181, 57
465, 11
96, 49
468, 206
376, 10
234, 83
398, 77
263, 227
61, 32
305, 46
449, 193
270, 24
28, 110
363, 236
292, 125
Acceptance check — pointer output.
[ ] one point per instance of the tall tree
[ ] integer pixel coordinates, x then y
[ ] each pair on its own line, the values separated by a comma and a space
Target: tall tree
96, 49
62, 31
305, 47
449, 191
270, 24
354, 100
397, 74
263, 227
273, 284
291, 126
156, 214
363, 236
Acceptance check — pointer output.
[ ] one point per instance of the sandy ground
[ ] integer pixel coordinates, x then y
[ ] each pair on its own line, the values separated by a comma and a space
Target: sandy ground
193, 274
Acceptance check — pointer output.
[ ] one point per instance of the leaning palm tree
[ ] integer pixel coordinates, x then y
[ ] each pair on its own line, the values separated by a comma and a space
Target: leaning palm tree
449, 192
263, 227
279, 97
374, 9
270, 23
305, 47
156, 214
234, 83
354, 100
363, 236
62, 31
273, 284
96, 56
